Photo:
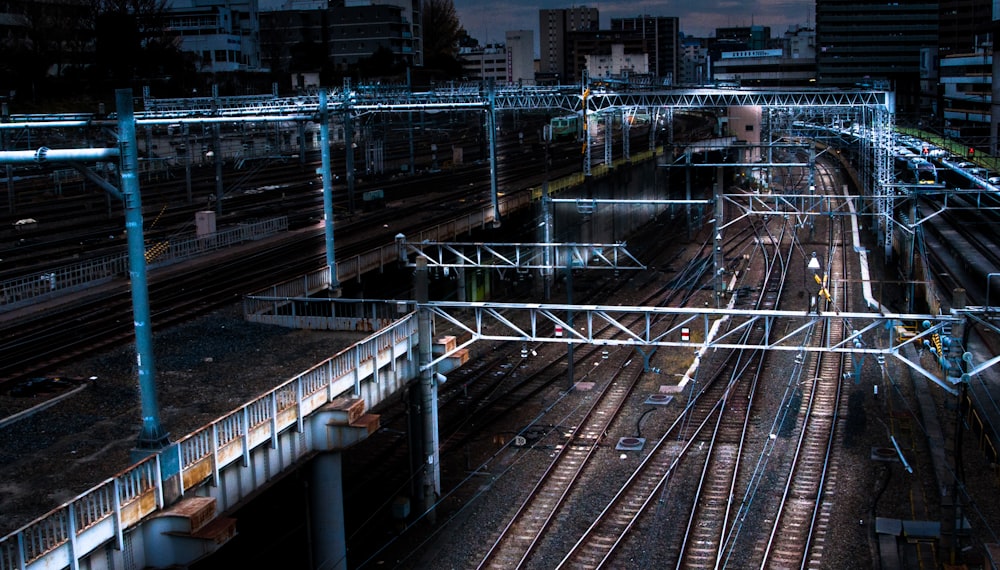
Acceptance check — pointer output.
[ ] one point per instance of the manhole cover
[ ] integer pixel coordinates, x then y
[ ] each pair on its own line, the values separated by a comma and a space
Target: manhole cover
884, 454
659, 399
630, 443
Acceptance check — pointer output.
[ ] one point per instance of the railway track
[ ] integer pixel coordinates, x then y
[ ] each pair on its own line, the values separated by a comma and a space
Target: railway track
718, 472
798, 527
477, 402
661, 480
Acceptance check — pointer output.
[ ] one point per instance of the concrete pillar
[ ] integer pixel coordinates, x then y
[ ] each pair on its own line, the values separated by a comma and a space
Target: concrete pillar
337, 426
326, 488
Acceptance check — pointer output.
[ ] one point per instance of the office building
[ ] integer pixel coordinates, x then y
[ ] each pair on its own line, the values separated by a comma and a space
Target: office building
662, 36
555, 61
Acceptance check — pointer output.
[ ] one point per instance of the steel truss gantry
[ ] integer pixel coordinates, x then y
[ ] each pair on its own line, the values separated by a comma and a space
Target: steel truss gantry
789, 331
519, 256
871, 111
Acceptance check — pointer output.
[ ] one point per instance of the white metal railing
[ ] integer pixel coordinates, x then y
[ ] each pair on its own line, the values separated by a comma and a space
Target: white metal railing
124, 500
29, 288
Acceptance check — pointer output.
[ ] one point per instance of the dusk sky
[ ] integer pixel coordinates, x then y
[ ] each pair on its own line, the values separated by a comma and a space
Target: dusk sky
488, 20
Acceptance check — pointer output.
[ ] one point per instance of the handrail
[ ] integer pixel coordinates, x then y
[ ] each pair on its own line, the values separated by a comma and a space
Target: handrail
121, 502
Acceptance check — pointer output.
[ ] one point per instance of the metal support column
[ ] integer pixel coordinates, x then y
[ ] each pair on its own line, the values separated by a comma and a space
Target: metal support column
324, 133
461, 285
302, 143
409, 129
4, 141
717, 255
654, 121
186, 130
152, 437
626, 125
957, 373
491, 127
609, 119
909, 262
216, 153
569, 321
431, 471
326, 515
349, 159
687, 193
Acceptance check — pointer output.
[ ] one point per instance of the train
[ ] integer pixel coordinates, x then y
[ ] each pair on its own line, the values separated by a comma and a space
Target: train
570, 126
566, 127
916, 170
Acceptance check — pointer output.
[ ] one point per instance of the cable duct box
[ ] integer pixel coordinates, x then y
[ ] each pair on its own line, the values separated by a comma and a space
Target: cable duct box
204, 223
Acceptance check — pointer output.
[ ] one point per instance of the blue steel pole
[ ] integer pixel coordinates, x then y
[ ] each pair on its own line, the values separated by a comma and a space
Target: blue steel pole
151, 436
349, 147
431, 477
324, 135
491, 124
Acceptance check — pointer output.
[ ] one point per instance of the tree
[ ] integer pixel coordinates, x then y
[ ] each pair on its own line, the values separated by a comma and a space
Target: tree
134, 44
44, 42
383, 64
441, 32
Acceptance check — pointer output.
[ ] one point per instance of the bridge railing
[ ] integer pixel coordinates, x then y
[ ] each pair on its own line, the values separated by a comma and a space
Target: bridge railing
105, 512
29, 288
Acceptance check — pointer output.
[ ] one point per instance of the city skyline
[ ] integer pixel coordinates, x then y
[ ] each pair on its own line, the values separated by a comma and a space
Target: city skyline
485, 22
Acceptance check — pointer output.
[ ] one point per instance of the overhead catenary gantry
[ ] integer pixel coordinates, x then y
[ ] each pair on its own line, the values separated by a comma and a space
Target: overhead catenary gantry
518, 256
871, 109
788, 331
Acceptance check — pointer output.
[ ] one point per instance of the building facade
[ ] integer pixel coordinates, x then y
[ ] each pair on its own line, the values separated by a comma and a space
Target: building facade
484, 63
338, 36
223, 34
521, 57
617, 64
662, 35
555, 59
963, 25
584, 44
792, 64
875, 44
694, 64
967, 95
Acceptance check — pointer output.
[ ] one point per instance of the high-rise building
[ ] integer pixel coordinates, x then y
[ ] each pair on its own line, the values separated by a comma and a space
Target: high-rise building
553, 26
963, 25
875, 44
308, 39
662, 35
343, 31
521, 57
